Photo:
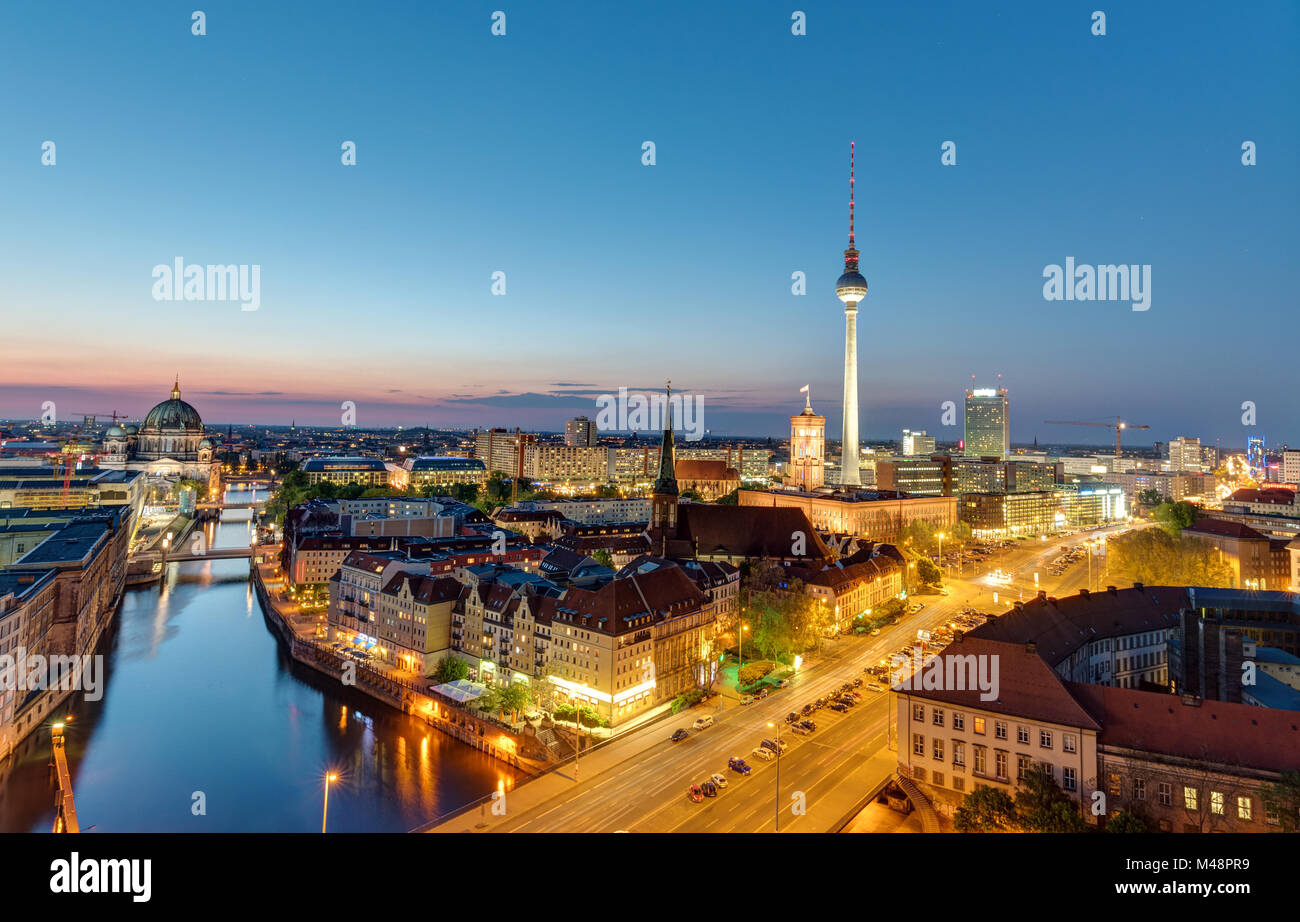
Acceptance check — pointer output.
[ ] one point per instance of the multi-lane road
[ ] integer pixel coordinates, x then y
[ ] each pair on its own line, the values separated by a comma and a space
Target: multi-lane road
825, 776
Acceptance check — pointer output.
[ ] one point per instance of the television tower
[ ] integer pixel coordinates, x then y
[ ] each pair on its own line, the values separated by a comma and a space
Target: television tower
851, 288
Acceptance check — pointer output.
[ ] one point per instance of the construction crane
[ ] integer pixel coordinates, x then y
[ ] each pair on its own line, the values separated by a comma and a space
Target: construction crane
1118, 425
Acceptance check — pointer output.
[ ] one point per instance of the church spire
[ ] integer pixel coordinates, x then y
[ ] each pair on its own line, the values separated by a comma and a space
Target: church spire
666, 482
176, 389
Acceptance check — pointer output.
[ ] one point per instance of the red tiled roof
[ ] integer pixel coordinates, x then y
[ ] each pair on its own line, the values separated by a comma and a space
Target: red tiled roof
1058, 627
1275, 496
1026, 686
744, 531
705, 470
1217, 731
1221, 529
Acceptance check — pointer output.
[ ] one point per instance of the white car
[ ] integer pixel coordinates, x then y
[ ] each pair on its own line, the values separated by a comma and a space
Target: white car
762, 752
703, 722
719, 779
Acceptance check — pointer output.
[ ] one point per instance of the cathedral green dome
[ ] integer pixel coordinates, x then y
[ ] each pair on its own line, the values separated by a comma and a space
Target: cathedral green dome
174, 414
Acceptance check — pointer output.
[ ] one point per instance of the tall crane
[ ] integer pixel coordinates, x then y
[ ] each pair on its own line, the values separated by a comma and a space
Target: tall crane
1118, 425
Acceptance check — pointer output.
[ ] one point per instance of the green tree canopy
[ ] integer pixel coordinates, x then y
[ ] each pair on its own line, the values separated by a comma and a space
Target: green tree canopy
1041, 806
985, 809
1174, 517
1154, 557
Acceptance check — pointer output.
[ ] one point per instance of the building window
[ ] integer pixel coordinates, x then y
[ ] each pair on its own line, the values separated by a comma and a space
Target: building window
1140, 789
937, 745
1216, 803
1022, 766
937, 779
958, 721
1068, 742
1000, 765
1044, 739
1113, 785
958, 783
918, 744
1244, 811
918, 713
936, 716
958, 753
1000, 729
1067, 779
980, 766
979, 725
1165, 794
1022, 734
1189, 797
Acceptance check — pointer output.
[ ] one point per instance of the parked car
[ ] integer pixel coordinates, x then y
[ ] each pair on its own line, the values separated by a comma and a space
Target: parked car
856, 682
695, 793
679, 735
761, 752
791, 717
738, 765
809, 725
709, 788
762, 694
784, 683
719, 779
807, 709
799, 728
841, 708
875, 631
776, 745
704, 722
746, 699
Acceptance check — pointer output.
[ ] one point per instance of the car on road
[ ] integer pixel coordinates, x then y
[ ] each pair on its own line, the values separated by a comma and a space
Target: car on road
709, 788
875, 632
679, 735
784, 683
738, 765
695, 793
719, 779
762, 694
746, 699
761, 752
702, 723
840, 708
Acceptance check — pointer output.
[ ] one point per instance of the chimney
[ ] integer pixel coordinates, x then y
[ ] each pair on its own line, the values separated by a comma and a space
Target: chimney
1112, 590
1084, 593
1191, 701
1031, 647
1137, 586
1020, 606
1042, 595
957, 636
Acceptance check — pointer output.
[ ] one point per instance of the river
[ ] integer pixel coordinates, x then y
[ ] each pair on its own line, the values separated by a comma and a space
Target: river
202, 707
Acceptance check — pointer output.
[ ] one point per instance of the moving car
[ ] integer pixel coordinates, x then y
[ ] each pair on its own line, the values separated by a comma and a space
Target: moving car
762, 752
703, 722
737, 764
679, 735
695, 793
719, 779
784, 683
709, 788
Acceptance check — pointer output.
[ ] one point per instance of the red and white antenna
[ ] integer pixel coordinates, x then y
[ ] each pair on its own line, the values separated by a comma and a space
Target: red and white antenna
851, 144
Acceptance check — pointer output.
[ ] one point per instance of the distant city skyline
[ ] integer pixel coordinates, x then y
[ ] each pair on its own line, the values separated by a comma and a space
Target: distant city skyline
376, 279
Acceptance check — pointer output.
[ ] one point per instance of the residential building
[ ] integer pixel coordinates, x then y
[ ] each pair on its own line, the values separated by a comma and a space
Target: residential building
1185, 454
1256, 560
580, 431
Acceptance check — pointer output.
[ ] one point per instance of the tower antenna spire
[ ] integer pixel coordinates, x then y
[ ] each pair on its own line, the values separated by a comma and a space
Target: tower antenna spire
851, 146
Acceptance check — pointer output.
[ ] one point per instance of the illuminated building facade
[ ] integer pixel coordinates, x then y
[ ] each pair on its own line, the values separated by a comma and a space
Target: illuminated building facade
987, 423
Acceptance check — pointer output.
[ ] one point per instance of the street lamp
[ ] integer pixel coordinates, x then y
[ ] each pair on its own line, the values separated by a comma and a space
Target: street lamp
325, 812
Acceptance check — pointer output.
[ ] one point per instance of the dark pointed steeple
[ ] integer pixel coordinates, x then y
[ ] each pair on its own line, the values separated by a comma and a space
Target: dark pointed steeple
666, 482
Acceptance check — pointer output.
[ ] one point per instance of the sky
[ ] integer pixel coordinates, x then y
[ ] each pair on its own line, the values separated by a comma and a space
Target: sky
522, 154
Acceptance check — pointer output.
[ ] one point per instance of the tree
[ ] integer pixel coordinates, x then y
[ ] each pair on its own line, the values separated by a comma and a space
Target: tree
1150, 497
450, 669
927, 572
985, 809
1041, 806
730, 499
1174, 517
1127, 821
1283, 798
693, 495
602, 556
1155, 558
514, 697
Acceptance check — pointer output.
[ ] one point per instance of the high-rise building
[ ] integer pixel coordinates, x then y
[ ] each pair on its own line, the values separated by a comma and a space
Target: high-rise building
580, 431
1255, 459
850, 289
1291, 466
916, 476
1185, 454
807, 449
917, 443
988, 423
